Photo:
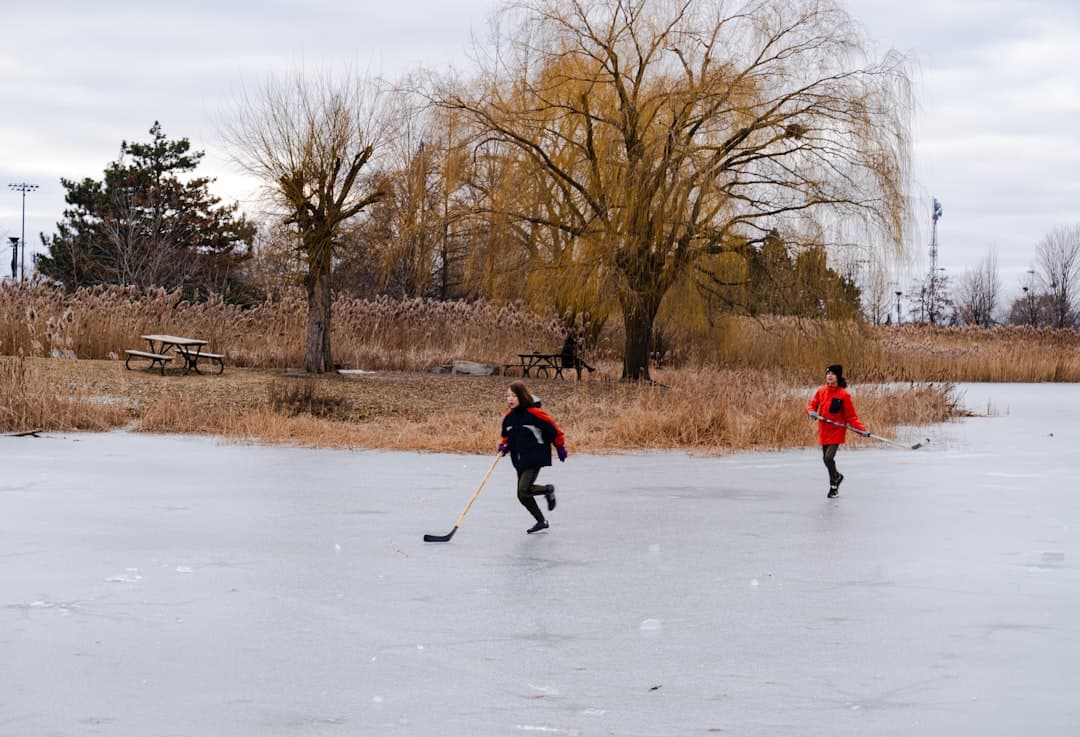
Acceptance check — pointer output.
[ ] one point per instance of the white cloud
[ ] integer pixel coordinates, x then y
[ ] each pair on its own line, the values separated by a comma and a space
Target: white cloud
996, 84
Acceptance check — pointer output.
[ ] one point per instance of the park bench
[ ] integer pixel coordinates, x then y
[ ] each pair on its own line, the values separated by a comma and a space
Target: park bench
155, 359
218, 358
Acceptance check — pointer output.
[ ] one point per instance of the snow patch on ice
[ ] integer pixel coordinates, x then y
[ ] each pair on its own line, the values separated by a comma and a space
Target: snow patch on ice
548, 690
651, 627
130, 575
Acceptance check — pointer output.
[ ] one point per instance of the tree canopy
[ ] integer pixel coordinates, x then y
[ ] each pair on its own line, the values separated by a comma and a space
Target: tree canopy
143, 224
639, 139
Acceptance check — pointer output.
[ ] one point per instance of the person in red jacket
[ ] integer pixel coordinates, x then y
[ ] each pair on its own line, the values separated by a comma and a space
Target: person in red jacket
832, 404
528, 433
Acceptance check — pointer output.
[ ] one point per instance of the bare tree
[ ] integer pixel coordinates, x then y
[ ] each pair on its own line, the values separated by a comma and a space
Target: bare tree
1024, 309
662, 133
1058, 260
877, 291
979, 295
931, 299
311, 140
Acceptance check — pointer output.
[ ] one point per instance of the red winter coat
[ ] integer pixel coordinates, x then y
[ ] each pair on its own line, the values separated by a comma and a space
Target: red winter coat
834, 403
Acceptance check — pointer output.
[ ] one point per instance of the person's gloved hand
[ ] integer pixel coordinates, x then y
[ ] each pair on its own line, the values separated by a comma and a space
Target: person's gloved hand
814, 415
503, 449
864, 433
562, 453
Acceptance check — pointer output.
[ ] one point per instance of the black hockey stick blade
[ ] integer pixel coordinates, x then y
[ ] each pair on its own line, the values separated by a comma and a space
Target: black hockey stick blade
440, 538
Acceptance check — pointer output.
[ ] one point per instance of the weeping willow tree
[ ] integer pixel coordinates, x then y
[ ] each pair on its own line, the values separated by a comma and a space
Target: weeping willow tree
415, 240
525, 252
638, 139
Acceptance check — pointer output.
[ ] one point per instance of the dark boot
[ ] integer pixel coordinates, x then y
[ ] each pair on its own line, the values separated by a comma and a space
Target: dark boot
549, 494
538, 527
834, 487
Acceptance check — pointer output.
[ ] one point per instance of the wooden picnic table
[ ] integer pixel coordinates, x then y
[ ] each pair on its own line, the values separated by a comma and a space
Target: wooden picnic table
163, 348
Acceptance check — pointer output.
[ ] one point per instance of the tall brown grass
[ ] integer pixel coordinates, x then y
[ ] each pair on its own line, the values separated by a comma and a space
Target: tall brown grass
414, 335
713, 410
923, 353
375, 334
737, 385
29, 402
708, 410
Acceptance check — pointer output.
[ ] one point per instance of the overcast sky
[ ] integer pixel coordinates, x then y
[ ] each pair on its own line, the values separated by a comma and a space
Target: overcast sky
997, 84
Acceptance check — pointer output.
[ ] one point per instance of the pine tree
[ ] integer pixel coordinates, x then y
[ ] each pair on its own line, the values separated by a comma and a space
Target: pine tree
145, 224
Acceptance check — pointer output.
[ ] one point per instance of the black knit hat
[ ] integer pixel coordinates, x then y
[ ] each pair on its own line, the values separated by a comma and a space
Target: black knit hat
837, 369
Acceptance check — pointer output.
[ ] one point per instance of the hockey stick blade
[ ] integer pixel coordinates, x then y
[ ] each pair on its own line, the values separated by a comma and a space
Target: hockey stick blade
440, 538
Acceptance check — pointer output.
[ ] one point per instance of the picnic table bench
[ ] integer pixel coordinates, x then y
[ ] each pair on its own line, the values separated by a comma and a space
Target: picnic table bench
155, 359
164, 348
540, 365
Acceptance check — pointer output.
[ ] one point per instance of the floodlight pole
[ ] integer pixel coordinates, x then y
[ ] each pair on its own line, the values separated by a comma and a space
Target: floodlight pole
14, 256
24, 188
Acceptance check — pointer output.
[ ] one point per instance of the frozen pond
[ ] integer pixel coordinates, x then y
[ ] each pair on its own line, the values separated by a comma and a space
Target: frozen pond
179, 587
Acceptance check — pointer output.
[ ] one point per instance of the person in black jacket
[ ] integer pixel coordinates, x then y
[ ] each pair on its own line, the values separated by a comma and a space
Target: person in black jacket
570, 358
528, 433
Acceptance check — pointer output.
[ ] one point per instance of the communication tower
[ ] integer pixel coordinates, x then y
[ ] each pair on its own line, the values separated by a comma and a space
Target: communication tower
932, 301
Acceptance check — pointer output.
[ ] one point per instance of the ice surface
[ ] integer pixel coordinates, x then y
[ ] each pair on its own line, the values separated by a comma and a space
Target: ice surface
287, 591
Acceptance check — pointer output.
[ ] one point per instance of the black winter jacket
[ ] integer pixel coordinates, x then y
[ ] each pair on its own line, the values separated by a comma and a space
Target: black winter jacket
528, 433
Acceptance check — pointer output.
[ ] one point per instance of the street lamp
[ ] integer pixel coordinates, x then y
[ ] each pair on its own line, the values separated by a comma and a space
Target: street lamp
14, 256
24, 188
898, 295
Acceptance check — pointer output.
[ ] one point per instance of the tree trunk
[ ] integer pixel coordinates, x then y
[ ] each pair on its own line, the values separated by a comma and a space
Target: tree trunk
639, 312
317, 343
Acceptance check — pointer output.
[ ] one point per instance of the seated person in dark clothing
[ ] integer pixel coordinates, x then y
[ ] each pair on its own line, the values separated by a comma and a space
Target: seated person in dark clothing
570, 358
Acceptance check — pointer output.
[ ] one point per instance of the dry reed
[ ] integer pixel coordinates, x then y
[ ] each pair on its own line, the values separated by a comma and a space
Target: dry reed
414, 335
737, 386
29, 402
709, 411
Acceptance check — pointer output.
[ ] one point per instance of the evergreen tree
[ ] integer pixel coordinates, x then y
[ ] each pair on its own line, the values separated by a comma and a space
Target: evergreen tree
144, 225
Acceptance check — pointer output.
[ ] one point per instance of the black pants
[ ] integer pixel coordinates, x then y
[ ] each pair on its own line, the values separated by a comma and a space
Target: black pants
527, 488
828, 454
